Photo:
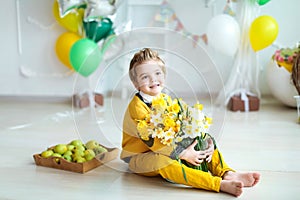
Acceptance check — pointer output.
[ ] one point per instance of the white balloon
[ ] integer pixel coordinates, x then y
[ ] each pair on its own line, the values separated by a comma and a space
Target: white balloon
223, 34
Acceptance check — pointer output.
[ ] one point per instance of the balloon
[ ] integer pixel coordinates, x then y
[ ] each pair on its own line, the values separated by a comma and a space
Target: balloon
263, 31
97, 30
223, 33
63, 46
72, 21
262, 2
67, 6
85, 56
99, 8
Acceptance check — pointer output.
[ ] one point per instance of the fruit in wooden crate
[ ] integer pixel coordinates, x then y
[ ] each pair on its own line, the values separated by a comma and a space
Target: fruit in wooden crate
76, 159
75, 151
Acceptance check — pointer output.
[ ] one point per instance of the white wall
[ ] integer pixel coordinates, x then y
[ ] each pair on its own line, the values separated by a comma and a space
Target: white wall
28, 62
29, 66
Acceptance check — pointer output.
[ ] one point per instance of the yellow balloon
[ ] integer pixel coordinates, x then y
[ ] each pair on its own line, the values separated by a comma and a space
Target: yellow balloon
72, 21
63, 46
263, 31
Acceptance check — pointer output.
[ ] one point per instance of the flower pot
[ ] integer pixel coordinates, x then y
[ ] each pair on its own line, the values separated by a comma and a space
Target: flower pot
298, 106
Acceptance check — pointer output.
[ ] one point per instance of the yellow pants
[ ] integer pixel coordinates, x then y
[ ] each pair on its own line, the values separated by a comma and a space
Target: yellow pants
154, 164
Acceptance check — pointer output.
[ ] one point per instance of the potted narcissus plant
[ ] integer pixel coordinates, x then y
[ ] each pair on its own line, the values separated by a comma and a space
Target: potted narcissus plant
285, 57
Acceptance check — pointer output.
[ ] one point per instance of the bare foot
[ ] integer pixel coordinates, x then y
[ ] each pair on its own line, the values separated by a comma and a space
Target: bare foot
248, 179
232, 187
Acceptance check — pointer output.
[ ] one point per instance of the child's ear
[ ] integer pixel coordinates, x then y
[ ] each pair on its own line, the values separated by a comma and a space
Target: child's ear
136, 85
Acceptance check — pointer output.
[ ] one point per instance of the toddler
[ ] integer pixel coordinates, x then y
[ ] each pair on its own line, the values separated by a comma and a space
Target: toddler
147, 72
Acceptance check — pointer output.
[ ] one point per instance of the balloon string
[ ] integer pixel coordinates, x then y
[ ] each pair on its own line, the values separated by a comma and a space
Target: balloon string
28, 73
95, 32
40, 25
245, 72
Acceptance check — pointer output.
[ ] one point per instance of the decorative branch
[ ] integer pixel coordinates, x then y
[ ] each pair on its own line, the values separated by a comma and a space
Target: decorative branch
296, 73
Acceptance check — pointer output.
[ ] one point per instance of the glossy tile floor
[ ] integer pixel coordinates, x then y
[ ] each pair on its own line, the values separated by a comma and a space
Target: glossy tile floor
266, 141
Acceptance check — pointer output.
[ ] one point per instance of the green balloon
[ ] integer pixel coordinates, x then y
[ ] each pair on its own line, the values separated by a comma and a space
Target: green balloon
97, 30
262, 2
85, 56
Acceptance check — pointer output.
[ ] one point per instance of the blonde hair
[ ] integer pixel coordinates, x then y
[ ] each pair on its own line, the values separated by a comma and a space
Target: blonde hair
141, 57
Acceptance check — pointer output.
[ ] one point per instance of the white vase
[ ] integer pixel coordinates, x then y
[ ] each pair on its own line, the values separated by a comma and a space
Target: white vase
281, 85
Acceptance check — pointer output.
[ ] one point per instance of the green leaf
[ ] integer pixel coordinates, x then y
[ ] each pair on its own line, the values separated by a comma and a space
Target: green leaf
183, 171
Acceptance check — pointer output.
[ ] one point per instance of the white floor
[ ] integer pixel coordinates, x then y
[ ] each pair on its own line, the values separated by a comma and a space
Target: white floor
266, 141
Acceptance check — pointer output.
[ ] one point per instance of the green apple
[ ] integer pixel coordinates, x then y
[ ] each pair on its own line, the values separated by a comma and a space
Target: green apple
68, 153
99, 150
70, 147
89, 154
76, 157
79, 147
76, 142
92, 144
68, 157
60, 148
78, 152
57, 155
80, 160
47, 153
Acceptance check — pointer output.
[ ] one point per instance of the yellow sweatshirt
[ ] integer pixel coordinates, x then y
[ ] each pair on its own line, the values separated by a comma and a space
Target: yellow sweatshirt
132, 144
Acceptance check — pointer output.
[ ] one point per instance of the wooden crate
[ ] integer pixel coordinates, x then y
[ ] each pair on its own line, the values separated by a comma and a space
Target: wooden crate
63, 164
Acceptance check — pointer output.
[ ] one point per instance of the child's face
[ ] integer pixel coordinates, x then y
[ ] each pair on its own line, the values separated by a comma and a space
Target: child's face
150, 78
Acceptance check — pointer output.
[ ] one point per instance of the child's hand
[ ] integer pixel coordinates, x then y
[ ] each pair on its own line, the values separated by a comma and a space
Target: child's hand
192, 156
210, 150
